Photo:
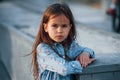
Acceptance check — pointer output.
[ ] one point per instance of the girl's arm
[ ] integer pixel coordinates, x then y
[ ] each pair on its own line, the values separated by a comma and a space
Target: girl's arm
75, 50
83, 54
49, 60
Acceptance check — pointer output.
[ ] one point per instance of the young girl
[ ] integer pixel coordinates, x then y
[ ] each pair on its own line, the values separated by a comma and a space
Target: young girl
56, 54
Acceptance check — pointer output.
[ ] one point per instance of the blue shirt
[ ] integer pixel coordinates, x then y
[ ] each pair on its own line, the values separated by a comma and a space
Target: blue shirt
54, 67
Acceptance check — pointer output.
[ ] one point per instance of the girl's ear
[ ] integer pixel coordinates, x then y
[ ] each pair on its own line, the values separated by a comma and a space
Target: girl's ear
45, 27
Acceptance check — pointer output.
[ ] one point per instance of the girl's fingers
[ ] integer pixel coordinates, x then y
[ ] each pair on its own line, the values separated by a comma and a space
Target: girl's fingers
84, 63
91, 60
85, 59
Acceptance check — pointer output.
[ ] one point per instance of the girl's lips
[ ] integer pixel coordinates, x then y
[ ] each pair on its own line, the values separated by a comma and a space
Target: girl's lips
59, 36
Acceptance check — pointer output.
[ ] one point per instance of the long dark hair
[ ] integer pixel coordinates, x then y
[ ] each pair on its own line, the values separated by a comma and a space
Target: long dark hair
52, 11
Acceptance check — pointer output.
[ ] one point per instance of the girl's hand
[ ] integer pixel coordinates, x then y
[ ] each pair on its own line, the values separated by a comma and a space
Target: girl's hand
85, 59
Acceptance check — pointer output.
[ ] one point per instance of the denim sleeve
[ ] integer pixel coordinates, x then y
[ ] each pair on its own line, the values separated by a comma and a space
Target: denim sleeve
75, 50
49, 60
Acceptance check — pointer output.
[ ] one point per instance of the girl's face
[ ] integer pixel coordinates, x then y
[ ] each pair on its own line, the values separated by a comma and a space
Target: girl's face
58, 28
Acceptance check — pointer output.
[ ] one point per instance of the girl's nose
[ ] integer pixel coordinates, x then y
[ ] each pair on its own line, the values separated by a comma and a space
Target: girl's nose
60, 29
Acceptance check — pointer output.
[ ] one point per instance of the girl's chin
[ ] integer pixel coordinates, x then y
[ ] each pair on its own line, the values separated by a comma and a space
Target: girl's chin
58, 41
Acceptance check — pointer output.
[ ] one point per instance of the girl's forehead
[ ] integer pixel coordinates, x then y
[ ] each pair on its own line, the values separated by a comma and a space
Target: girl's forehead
60, 17
56, 15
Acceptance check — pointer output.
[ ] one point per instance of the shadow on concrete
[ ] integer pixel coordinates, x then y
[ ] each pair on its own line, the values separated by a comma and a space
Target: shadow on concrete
5, 54
3, 72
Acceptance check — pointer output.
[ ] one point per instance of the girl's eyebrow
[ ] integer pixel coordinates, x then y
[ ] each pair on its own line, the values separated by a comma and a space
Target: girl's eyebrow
62, 23
54, 23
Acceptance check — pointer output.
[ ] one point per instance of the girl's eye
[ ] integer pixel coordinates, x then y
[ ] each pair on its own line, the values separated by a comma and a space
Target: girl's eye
64, 25
55, 25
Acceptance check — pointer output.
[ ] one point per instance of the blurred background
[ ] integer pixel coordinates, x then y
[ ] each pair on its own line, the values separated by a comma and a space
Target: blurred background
92, 13
20, 20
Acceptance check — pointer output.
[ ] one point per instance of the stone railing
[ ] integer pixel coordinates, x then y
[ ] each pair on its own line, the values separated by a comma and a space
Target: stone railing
14, 50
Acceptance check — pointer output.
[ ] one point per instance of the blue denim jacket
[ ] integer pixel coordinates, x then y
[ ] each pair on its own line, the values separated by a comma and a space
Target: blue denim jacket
54, 67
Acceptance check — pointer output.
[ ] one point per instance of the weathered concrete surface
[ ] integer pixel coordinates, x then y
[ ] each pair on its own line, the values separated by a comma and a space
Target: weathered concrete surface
3, 72
13, 48
106, 46
20, 29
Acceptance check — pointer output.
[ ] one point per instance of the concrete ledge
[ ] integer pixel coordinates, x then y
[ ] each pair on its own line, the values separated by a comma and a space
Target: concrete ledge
106, 46
3, 72
17, 33
14, 46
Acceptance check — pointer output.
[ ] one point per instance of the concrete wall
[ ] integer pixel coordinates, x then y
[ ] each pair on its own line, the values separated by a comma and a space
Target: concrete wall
13, 48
